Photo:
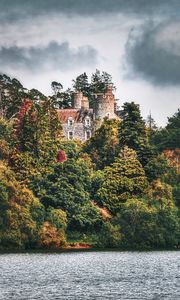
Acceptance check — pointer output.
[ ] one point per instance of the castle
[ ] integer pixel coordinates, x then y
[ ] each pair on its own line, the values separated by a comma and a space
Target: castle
80, 121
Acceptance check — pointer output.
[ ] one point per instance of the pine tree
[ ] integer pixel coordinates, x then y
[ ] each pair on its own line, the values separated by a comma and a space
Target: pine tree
133, 132
124, 179
81, 84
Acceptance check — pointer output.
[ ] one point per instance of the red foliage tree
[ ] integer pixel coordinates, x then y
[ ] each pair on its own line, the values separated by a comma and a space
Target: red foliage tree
26, 105
61, 156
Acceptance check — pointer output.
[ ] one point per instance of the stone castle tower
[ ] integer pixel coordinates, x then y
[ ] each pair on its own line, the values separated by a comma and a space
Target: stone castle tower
80, 101
104, 105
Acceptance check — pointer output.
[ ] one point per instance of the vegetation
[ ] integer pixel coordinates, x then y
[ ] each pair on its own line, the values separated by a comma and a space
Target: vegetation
119, 189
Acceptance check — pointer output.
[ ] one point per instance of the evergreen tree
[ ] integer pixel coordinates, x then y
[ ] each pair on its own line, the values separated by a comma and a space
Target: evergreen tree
81, 84
12, 94
169, 137
100, 82
124, 179
133, 132
103, 147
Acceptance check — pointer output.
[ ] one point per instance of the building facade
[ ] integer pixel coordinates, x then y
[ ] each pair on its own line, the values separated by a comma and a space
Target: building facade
80, 121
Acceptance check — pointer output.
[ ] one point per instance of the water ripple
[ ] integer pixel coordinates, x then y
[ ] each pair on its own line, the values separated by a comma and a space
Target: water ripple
90, 275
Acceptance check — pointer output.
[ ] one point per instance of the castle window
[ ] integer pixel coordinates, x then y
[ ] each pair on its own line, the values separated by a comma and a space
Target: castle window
70, 121
88, 134
87, 122
70, 135
108, 115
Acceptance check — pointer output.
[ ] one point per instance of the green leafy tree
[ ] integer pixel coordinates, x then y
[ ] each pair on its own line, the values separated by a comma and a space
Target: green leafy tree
103, 147
124, 179
100, 82
56, 217
37, 138
67, 188
146, 227
56, 87
6, 138
109, 236
169, 137
12, 94
64, 99
21, 214
151, 128
176, 195
36, 95
81, 84
157, 167
133, 134
160, 194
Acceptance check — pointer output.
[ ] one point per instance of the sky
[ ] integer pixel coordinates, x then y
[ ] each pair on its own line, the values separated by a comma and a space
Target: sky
136, 41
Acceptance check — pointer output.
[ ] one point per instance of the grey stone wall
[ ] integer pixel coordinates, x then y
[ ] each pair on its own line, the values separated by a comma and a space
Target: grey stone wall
80, 131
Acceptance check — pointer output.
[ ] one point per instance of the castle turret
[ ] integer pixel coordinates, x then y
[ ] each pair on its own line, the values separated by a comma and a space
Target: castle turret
85, 103
80, 101
104, 105
77, 100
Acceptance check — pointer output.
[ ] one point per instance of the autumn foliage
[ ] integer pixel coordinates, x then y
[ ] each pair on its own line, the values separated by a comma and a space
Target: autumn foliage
61, 156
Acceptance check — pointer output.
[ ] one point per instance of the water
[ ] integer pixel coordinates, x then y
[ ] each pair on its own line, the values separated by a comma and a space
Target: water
90, 275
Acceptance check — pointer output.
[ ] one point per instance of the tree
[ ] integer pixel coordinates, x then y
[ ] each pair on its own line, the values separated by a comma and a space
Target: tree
81, 84
6, 138
37, 138
21, 214
12, 94
36, 95
157, 167
67, 187
124, 179
100, 82
169, 137
56, 87
64, 99
132, 132
151, 127
103, 147
51, 237
147, 227
52, 231
160, 194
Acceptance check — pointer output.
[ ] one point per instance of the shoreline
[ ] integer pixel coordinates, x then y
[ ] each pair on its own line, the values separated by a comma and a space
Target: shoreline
80, 249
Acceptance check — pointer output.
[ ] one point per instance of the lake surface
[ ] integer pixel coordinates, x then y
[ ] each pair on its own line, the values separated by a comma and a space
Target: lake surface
90, 275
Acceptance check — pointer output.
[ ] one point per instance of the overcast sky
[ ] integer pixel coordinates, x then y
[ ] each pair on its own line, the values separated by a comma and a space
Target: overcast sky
136, 41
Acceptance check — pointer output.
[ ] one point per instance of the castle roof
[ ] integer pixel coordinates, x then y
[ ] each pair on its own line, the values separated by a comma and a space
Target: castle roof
76, 114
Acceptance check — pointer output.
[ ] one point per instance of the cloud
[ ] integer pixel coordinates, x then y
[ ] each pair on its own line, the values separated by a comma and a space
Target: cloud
52, 57
154, 53
12, 10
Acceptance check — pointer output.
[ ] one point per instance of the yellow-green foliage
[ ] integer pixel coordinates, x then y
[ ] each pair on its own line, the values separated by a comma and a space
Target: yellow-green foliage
20, 212
124, 179
51, 237
161, 194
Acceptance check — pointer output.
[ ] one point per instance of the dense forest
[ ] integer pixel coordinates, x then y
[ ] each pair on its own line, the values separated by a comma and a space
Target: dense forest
120, 189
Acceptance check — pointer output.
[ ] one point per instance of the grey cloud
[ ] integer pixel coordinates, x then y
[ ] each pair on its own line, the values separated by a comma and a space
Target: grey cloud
17, 9
54, 56
151, 58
